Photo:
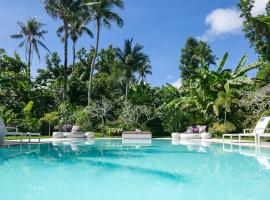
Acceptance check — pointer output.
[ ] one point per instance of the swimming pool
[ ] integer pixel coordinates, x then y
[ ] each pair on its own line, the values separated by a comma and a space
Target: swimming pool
108, 169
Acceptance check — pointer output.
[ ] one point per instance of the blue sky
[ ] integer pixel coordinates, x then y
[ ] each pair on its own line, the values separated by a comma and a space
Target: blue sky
161, 26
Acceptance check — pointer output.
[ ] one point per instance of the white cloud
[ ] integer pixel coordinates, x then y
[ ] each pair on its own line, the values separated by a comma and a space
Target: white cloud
177, 83
259, 7
224, 21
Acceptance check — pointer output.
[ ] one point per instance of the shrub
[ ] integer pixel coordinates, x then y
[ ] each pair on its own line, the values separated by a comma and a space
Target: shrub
217, 129
65, 113
84, 119
110, 131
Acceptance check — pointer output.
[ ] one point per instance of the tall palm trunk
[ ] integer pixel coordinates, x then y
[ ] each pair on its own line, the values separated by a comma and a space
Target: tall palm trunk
126, 94
65, 58
225, 119
93, 62
74, 53
49, 129
29, 62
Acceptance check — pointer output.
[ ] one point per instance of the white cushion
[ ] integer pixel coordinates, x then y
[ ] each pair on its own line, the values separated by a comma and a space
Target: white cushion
75, 129
89, 134
190, 136
74, 135
202, 129
176, 135
206, 135
58, 135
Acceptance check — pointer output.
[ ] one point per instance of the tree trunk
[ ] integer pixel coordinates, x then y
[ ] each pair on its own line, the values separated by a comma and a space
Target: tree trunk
127, 86
74, 54
65, 58
49, 130
93, 63
225, 119
102, 122
29, 62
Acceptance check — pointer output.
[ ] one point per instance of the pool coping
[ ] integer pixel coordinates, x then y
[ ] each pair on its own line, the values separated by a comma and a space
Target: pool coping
214, 140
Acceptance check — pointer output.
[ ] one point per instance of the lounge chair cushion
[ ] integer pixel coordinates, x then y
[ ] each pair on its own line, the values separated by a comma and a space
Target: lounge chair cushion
74, 135
75, 129
58, 135
190, 136
66, 128
195, 130
202, 129
175, 135
189, 130
89, 134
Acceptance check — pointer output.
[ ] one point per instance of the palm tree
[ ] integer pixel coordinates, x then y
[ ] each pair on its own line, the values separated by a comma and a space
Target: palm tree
132, 59
103, 15
226, 99
144, 70
76, 29
64, 10
32, 35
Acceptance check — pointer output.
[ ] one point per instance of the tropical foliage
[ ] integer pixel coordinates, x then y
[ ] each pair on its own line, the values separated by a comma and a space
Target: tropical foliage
106, 90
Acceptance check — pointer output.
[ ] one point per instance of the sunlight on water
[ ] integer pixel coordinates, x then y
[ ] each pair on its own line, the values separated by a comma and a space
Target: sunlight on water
115, 169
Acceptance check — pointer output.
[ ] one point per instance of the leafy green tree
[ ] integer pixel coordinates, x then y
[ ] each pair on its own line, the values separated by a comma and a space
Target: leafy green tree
108, 81
28, 122
63, 10
51, 77
132, 59
257, 28
50, 119
201, 95
2, 51
32, 35
226, 100
144, 94
103, 15
191, 54
53, 72
14, 83
257, 31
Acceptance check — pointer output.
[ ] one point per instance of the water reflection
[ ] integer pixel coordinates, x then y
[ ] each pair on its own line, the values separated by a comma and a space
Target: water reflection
192, 145
262, 155
137, 143
18, 150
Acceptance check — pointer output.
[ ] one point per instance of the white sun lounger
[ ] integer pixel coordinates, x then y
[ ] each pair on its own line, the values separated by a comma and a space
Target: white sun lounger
262, 135
259, 129
13, 131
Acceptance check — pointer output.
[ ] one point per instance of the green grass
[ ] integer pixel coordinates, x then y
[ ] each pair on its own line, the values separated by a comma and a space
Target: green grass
24, 137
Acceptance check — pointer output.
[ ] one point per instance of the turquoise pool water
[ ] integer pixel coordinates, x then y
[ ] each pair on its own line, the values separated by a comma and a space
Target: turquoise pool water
108, 169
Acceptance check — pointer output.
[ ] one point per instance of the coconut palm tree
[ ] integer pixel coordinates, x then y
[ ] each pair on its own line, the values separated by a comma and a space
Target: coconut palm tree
32, 35
144, 70
103, 15
76, 28
132, 59
64, 10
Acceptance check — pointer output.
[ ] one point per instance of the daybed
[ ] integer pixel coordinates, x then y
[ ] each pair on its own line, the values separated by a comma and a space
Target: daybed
137, 134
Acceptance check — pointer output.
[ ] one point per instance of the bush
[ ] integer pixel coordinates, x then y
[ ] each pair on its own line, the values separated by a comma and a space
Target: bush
65, 113
83, 119
110, 131
217, 129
